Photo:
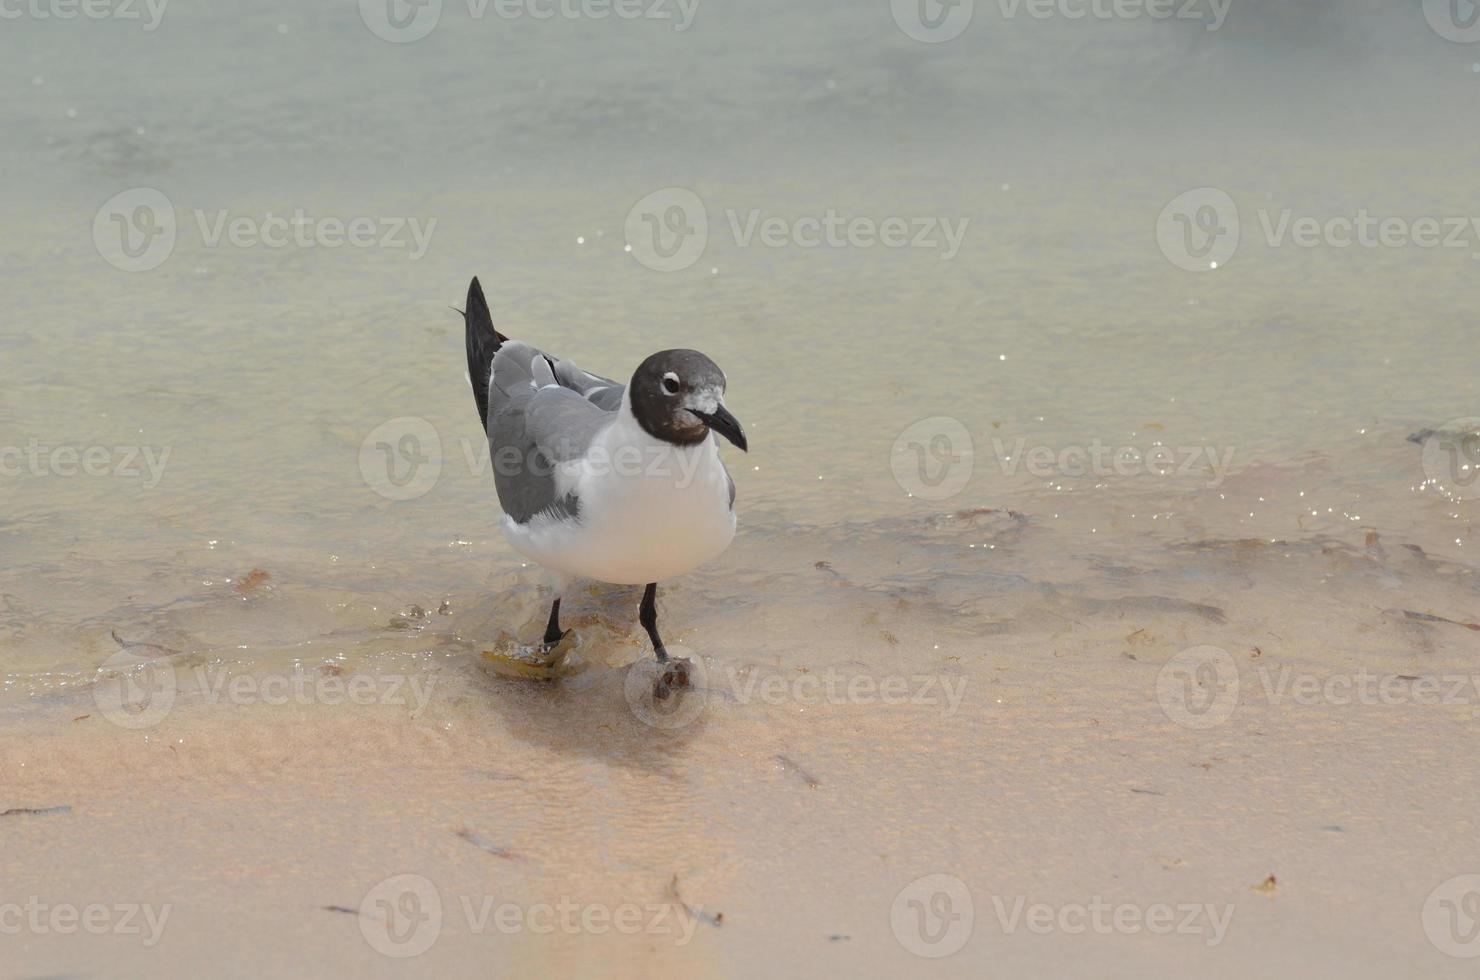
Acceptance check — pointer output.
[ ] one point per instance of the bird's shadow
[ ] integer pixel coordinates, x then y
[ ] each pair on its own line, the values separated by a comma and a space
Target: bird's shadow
607, 710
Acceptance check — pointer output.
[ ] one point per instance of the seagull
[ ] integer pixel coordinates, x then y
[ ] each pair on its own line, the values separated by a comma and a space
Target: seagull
599, 480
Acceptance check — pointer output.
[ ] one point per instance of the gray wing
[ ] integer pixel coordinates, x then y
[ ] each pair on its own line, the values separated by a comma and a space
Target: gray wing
541, 411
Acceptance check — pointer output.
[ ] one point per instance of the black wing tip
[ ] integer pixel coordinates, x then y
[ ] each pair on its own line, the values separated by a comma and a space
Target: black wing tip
483, 342
478, 316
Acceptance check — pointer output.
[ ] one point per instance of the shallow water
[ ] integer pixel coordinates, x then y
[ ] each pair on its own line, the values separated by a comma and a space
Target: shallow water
919, 500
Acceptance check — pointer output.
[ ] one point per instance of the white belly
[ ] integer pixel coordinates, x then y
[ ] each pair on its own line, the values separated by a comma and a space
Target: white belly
640, 521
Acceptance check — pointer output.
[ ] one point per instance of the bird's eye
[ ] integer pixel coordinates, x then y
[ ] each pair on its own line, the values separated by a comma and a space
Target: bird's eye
670, 383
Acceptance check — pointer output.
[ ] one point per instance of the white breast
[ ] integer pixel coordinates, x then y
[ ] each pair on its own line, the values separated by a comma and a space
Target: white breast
648, 510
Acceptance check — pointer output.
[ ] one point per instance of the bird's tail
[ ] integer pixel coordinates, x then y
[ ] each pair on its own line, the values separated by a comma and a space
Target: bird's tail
483, 342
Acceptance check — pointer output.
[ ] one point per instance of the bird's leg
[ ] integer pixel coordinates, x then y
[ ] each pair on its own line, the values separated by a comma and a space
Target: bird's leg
647, 614
553, 633
672, 673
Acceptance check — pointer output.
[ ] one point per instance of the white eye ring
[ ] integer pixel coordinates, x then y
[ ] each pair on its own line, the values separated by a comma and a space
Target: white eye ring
670, 383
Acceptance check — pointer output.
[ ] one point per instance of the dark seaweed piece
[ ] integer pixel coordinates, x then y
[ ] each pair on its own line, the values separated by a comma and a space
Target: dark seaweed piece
484, 844
807, 777
23, 811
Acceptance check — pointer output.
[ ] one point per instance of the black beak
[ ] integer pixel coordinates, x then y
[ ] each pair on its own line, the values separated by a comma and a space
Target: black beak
725, 424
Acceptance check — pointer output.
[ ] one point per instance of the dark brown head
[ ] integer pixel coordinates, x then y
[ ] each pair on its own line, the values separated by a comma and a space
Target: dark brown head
679, 396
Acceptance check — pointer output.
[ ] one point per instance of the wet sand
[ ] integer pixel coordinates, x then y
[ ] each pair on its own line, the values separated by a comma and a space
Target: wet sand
978, 694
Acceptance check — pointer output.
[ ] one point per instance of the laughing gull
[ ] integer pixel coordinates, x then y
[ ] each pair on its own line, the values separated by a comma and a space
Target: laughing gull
618, 483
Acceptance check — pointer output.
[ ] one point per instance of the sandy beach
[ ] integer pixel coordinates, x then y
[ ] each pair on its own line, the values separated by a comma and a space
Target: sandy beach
1129, 769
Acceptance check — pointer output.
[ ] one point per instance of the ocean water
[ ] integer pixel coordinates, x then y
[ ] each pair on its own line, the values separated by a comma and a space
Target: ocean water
1050, 359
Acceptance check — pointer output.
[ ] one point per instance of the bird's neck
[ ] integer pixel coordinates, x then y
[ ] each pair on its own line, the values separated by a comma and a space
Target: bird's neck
628, 431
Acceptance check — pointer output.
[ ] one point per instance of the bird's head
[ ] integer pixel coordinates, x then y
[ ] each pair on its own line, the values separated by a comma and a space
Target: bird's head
679, 396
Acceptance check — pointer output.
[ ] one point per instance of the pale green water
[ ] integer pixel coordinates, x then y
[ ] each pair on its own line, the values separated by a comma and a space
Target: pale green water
261, 371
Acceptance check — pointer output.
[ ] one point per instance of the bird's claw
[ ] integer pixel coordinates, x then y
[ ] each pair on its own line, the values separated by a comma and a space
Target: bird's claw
673, 675
550, 646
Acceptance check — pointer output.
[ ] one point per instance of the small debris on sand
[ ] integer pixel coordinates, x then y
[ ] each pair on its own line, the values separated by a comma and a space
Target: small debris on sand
1431, 618
484, 844
341, 909
143, 649
252, 580
1265, 887
716, 920
27, 811
807, 777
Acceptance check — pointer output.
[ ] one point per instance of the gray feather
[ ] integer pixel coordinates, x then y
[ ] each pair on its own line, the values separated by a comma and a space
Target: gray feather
539, 415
